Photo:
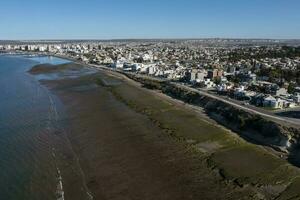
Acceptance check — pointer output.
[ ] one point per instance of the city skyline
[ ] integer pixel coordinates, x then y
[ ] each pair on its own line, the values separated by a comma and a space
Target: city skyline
133, 19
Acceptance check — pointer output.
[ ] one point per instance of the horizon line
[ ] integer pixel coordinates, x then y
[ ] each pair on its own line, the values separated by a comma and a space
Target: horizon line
187, 38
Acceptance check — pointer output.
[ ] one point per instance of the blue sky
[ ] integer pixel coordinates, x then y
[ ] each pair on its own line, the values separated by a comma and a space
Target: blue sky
111, 19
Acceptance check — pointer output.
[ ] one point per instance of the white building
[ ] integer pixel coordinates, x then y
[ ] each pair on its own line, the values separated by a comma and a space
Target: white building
277, 103
42, 48
152, 70
281, 92
272, 102
119, 64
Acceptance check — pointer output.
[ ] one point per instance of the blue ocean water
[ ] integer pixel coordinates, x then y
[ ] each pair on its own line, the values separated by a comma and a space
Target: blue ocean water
29, 115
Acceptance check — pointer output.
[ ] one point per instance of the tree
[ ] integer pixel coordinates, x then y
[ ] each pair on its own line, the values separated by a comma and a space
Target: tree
291, 88
217, 80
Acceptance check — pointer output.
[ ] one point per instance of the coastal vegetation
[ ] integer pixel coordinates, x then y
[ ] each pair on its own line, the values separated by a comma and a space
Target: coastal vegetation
238, 120
229, 161
49, 68
236, 161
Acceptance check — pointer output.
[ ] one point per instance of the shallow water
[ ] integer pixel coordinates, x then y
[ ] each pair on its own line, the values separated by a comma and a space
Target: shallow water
31, 120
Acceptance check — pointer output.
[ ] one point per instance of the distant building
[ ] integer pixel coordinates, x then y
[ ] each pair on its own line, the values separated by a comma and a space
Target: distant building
197, 76
214, 73
152, 70
118, 64
193, 76
135, 67
281, 92
277, 103
201, 76
231, 69
251, 78
42, 48
272, 102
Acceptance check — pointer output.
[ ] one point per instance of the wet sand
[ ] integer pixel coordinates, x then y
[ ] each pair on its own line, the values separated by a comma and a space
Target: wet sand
134, 144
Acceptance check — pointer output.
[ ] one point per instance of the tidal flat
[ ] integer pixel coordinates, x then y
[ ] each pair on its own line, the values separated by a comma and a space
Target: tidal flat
134, 143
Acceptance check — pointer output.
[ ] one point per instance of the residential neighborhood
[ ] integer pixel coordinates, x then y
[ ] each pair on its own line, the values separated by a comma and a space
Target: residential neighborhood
261, 73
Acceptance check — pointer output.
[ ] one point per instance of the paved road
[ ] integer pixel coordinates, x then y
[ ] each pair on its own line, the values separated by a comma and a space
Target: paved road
288, 110
246, 108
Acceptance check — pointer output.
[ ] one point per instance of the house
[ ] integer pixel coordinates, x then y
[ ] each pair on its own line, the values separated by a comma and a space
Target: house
152, 70
130, 67
239, 93
222, 88
272, 102
281, 92
135, 67
119, 64
200, 76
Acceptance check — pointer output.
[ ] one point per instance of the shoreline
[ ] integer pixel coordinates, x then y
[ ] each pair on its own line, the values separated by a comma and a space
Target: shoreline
270, 116
119, 114
278, 150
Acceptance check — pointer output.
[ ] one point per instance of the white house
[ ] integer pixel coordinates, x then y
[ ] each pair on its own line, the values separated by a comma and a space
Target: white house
119, 64
281, 92
272, 102
152, 70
